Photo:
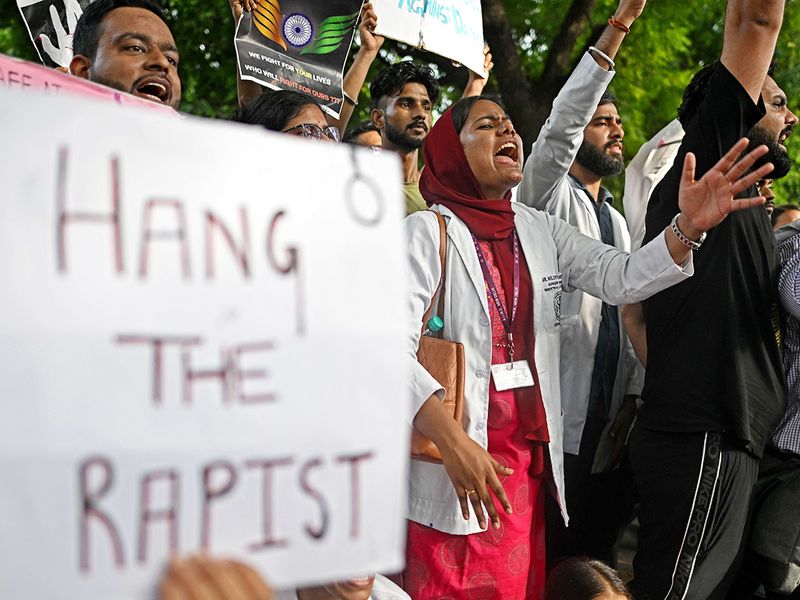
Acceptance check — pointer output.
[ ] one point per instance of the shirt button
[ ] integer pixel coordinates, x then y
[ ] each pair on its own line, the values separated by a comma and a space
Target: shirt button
480, 373
483, 320
480, 425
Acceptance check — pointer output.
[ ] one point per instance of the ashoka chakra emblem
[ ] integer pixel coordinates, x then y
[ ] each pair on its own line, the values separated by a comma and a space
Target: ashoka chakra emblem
297, 29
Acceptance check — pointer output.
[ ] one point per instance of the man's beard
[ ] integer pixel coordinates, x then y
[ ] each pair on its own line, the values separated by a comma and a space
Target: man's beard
598, 161
401, 140
775, 154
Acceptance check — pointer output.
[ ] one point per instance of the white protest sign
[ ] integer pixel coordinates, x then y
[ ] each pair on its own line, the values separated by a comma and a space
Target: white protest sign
202, 348
450, 28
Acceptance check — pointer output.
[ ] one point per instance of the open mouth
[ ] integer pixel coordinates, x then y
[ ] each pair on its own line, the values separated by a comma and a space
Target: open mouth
154, 90
615, 147
784, 136
508, 152
361, 580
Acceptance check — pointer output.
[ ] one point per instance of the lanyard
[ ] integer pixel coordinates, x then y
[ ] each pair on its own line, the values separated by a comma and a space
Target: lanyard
487, 275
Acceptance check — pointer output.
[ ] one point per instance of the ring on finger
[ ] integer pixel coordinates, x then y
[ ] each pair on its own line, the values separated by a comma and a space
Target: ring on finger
468, 492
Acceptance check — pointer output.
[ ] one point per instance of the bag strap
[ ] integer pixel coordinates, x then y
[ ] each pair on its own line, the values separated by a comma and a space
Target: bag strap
441, 287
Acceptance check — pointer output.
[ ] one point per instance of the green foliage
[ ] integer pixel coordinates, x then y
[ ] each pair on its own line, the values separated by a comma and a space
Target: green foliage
204, 33
14, 39
668, 44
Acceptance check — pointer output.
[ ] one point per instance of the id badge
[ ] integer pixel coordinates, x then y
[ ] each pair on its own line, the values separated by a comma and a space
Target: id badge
510, 376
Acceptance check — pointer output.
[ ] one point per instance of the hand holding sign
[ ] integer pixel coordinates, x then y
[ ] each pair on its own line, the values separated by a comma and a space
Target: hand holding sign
450, 28
370, 41
239, 7
476, 83
199, 578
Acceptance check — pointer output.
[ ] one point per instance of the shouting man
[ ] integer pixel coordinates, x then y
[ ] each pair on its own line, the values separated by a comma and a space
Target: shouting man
127, 45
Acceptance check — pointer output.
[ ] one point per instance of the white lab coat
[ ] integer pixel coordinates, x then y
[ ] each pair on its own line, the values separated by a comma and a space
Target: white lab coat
551, 247
651, 163
382, 589
547, 187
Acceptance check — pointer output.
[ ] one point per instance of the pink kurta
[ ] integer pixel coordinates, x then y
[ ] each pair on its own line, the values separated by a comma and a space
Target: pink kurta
506, 563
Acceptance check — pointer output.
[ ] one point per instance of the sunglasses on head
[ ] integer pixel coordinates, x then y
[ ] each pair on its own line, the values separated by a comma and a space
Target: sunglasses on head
314, 132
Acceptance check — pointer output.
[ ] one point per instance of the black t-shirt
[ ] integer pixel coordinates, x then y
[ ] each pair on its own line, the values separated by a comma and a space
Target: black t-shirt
713, 362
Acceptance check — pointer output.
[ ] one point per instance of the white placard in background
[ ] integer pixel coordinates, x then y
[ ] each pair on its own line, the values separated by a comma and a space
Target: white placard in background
202, 349
451, 28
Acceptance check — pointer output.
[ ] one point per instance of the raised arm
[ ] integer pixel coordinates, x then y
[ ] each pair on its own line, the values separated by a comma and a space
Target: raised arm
751, 32
357, 73
621, 278
246, 90
476, 83
555, 149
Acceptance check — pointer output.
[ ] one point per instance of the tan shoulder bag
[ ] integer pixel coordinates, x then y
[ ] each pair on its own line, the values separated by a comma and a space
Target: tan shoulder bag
443, 359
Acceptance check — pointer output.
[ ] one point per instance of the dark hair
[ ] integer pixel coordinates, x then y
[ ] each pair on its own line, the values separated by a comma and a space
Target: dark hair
694, 93
273, 110
391, 81
583, 578
460, 110
698, 88
779, 210
89, 28
353, 133
608, 97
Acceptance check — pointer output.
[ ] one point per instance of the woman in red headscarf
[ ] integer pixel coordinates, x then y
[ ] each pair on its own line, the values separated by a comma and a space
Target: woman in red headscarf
506, 267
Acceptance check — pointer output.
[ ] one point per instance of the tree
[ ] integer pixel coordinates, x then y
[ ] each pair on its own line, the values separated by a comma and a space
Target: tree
668, 44
536, 44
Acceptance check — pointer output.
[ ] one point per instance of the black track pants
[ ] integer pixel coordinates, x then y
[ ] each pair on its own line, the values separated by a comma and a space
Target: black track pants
694, 492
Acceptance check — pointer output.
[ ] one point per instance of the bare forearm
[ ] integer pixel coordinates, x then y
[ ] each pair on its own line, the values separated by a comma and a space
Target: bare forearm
246, 90
633, 319
612, 37
433, 421
474, 87
353, 80
609, 43
751, 32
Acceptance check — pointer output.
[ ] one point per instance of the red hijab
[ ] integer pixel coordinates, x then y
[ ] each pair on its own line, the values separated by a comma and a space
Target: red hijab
447, 179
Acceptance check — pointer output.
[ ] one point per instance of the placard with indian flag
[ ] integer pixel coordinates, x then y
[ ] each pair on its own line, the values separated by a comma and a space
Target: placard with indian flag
299, 45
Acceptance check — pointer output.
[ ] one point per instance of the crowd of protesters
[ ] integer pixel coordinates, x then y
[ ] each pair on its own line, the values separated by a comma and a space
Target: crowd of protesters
652, 363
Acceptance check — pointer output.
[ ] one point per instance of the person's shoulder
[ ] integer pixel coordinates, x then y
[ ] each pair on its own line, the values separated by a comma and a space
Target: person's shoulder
424, 219
724, 87
527, 213
787, 235
540, 221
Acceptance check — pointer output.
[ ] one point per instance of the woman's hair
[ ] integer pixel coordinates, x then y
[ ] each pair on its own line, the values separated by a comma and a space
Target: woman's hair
460, 110
583, 578
273, 110
353, 133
